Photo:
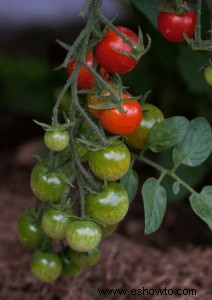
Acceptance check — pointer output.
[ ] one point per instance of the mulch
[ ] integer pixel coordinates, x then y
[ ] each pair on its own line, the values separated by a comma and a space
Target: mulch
177, 256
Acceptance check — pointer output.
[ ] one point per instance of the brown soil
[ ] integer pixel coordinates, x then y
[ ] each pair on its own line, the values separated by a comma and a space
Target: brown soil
177, 256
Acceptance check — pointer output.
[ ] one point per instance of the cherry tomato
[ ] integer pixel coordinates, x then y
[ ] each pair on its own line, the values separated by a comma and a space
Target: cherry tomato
29, 231
151, 116
85, 259
55, 222
70, 269
171, 26
83, 235
108, 229
110, 205
110, 163
56, 140
85, 80
120, 123
46, 266
107, 51
46, 185
208, 74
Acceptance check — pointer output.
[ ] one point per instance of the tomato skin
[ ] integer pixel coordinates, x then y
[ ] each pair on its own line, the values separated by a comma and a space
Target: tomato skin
171, 25
151, 116
108, 229
110, 163
85, 259
106, 51
83, 235
47, 186
70, 269
208, 75
46, 266
55, 222
110, 205
120, 123
56, 140
30, 233
85, 78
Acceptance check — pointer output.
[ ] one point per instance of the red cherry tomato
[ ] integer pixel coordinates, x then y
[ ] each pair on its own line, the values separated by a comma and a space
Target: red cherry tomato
107, 55
171, 26
120, 123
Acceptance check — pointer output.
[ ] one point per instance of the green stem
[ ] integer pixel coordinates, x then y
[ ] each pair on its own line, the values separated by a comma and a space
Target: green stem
198, 39
165, 172
82, 196
209, 3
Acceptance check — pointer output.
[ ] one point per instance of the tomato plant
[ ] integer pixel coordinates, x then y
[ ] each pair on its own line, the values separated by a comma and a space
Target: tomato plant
102, 190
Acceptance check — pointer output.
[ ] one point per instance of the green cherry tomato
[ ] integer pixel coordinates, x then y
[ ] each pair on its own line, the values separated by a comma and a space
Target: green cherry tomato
108, 229
151, 116
110, 205
83, 235
110, 163
56, 140
85, 259
46, 266
30, 232
55, 222
208, 74
70, 269
46, 185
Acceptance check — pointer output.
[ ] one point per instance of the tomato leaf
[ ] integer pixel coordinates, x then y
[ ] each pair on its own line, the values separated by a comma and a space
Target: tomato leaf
130, 182
176, 187
167, 133
202, 205
196, 146
148, 9
155, 199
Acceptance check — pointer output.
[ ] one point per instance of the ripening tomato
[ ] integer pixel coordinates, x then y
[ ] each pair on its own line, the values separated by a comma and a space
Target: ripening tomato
171, 26
121, 123
110, 163
85, 80
151, 116
107, 51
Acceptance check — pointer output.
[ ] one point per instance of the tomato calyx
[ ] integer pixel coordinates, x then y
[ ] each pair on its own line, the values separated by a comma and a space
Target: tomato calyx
177, 7
139, 49
61, 127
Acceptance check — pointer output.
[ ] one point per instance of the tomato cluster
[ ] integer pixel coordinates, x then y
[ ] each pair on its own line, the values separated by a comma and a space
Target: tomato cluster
94, 213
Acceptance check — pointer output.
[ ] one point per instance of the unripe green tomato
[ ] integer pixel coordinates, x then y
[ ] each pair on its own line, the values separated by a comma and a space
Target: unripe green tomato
208, 74
70, 269
110, 163
110, 205
46, 266
151, 116
108, 229
30, 233
55, 222
65, 104
83, 235
85, 259
56, 140
47, 186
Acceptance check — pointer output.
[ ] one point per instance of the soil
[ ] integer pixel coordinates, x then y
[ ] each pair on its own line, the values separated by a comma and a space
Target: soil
177, 256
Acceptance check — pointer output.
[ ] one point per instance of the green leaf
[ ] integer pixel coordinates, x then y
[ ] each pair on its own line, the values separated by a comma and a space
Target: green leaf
202, 205
130, 182
147, 8
155, 199
167, 133
196, 146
